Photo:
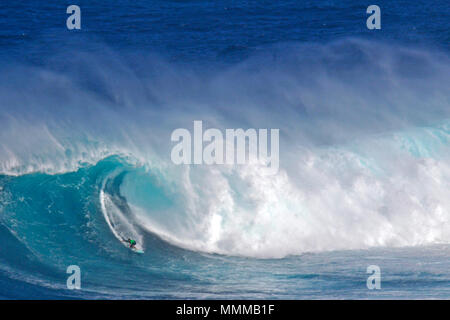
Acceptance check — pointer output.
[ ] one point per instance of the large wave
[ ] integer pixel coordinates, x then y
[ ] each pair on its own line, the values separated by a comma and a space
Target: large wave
364, 151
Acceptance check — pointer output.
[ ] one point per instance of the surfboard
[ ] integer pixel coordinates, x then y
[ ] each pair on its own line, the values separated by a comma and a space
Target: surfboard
139, 251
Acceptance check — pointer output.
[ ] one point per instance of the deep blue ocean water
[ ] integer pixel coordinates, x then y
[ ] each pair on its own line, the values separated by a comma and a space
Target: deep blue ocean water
85, 123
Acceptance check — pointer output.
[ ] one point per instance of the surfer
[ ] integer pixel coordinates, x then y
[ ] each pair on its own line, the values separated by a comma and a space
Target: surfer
131, 242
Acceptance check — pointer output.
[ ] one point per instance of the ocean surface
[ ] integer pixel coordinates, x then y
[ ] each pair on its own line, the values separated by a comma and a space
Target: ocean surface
86, 118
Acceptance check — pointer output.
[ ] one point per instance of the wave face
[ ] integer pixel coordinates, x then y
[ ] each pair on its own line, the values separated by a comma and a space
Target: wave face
85, 159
